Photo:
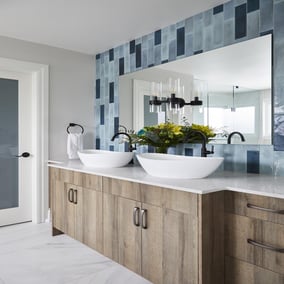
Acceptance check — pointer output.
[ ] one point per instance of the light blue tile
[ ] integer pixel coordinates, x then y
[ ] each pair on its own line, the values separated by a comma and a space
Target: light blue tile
266, 159
188, 44
157, 51
279, 21
278, 165
218, 29
172, 50
278, 94
239, 2
208, 38
198, 34
253, 24
266, 12
180, 24
229, 10
144, 59
189, 25
279, 57
207, 18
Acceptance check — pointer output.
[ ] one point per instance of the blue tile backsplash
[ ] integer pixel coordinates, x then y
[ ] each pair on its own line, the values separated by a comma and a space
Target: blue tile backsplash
232, 22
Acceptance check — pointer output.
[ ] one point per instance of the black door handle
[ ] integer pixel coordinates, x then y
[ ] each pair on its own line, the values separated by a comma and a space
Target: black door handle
24, 155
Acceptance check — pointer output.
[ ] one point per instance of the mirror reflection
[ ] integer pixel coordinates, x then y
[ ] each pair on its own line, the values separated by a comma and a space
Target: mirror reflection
233, 83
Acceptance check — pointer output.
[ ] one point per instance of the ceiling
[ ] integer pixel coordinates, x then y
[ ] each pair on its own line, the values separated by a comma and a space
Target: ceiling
92, 26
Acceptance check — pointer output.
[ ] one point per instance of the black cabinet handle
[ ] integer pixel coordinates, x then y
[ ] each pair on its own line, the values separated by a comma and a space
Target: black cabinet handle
71, 195
75, 199
144, 218
265, 246
265, 209
136, 216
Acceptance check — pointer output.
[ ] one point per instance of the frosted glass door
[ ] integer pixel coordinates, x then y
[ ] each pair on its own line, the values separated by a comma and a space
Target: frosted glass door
16, 170
9, 164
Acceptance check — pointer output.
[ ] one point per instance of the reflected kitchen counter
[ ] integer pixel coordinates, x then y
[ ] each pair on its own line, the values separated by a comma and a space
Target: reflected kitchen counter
223, 180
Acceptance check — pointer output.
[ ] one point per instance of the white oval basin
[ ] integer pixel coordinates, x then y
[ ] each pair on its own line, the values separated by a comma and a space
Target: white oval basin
180, 167
104, 159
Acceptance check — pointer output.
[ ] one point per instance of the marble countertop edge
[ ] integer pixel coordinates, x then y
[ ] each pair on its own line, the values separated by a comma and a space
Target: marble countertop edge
265, 185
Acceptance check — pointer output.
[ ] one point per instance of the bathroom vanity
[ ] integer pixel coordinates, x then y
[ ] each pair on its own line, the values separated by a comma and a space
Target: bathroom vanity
174, 231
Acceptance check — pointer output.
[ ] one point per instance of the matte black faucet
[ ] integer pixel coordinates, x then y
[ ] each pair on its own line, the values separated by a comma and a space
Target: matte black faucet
232, 134
130, 147
204, 151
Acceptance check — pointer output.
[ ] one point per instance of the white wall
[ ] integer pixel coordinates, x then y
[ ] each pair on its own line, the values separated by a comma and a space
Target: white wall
71, 88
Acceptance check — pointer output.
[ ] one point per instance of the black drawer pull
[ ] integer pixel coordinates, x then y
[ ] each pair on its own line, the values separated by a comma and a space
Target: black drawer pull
144, 218
257, 244
136, 216
71, 195
265, 209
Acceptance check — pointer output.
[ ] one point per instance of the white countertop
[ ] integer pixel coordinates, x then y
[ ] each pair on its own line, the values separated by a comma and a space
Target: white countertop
248, 183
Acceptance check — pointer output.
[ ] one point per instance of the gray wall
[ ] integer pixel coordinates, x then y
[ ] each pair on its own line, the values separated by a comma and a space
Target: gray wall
71, 93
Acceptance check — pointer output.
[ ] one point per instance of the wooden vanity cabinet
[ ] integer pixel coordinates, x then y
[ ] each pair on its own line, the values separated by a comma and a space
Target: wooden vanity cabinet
254, 239
76, 206
158, 232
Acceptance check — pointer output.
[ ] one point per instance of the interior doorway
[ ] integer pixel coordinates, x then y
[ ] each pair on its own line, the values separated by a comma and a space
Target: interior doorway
23, 141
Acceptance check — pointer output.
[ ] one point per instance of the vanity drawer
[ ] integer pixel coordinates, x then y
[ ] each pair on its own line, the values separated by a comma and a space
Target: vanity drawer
255, 241
255, 206
240, 272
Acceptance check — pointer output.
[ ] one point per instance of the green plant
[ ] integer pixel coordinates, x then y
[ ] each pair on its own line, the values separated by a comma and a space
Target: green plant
165, 135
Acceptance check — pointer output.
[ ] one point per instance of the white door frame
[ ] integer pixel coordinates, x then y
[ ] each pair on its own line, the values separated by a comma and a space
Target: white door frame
39, 147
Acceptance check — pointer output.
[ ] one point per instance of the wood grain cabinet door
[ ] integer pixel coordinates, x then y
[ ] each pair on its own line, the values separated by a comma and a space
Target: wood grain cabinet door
57, 197
122, 239
92, 219
73, 211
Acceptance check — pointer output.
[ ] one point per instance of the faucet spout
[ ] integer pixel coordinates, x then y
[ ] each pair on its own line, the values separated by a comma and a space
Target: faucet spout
204, 151
130, 148
235, 133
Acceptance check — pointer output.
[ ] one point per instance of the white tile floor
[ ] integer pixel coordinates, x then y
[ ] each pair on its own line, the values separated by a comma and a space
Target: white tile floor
30, 255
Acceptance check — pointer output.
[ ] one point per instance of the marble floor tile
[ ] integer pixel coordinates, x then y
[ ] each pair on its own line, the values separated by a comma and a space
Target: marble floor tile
30, 255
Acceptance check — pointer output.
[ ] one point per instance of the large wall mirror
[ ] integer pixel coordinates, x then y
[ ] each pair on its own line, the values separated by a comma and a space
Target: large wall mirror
233, 82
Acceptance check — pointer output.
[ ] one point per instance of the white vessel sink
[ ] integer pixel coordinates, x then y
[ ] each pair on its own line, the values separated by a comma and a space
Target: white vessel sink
180, 167
104, 159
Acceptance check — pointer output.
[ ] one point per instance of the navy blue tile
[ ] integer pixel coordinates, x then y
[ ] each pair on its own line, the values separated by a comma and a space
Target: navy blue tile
98, 56
102, 115
111, 92
132, 47
218, 9
188, 151
98, 143
240, 21
253, 5
121, 66
253, 162
116, 124
111, 56
111, 147
158, 37
198, 51
266, 33
180, 41
98, 88
138, 56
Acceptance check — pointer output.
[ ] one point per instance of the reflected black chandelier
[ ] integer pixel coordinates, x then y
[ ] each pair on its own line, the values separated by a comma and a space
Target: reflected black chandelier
173, 103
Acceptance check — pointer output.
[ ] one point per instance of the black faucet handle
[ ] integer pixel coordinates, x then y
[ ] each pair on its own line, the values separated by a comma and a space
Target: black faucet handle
210, 151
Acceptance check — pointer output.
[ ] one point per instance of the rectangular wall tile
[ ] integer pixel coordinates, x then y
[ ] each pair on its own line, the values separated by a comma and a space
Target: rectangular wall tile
240, 21
234, 21
253, 162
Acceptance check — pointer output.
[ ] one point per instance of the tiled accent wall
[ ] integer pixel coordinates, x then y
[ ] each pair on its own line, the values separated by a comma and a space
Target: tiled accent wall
232, 22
